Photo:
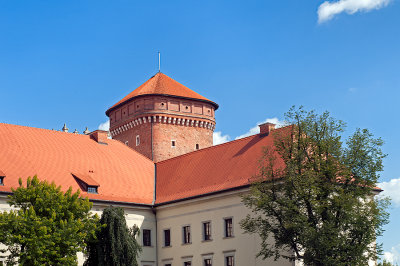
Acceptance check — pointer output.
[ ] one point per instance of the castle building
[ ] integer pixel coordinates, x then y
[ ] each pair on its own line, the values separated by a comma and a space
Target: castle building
163, 119
160, 166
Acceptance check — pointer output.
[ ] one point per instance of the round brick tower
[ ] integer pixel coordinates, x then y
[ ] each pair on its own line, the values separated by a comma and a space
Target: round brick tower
162, 119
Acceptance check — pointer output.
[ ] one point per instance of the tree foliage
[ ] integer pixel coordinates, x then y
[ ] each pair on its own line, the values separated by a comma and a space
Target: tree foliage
315, 194
47, 226
386, 263
115, 243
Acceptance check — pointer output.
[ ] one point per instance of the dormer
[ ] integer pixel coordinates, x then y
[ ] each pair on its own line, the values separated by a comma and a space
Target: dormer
86, 182
2, 176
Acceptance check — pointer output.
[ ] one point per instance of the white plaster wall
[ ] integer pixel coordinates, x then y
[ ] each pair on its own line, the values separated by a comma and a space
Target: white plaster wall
214, 209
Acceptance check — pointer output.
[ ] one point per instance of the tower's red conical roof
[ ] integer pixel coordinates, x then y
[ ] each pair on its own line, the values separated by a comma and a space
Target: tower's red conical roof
161, 84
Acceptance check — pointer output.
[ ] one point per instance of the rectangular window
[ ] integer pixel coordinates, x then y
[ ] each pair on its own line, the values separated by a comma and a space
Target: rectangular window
228, 227
187, 263
91, 189
1, 180
173, 143
207, 262
206, 231
137, 140
186, 234
229, 260
197, 146
146, 237
167, 238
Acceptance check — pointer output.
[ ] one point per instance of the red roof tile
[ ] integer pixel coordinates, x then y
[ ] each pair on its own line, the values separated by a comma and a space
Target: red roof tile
213, 169
86, 179
122, 173
161, 84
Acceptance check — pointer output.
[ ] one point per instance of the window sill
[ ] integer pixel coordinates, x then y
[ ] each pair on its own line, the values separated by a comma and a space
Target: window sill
209, 240
228, 237
166, 246
148, 246
185, 244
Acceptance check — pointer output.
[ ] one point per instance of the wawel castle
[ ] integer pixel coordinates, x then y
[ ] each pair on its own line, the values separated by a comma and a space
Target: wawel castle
160, 165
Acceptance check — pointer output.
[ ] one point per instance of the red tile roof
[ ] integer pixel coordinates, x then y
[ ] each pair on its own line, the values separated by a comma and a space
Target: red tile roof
86, 179
122, 173
217, 168
161, 84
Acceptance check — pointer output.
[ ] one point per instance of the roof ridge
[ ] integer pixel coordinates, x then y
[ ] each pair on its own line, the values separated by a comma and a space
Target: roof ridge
44, 129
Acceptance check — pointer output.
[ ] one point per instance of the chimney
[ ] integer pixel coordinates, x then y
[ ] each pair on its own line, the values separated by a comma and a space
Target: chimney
100, 136
266, 128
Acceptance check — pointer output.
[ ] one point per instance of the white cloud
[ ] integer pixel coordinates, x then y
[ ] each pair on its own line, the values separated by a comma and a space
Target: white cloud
105, 126
352, 90
391, 189
327, 10
393, 255
256, 129
218, 138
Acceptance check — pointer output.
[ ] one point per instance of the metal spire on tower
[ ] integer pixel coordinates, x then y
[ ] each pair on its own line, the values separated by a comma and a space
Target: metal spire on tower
159, 61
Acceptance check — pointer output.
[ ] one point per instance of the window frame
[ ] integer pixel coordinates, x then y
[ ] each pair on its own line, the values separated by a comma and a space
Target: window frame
204, 231
144, 241
186, 235
137, 140
227, 258
228, 233
164, 238
173, 143
92, 189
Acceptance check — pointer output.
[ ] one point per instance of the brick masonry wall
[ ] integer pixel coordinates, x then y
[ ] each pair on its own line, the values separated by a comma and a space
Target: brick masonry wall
144, 133
185, 137
164, 132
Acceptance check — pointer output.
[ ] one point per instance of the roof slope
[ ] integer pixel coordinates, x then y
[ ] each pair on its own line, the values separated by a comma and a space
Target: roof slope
161, 84
213, 169
122, 173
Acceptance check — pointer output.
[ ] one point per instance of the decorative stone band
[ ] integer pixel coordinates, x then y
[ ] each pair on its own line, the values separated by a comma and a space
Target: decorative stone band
162, 119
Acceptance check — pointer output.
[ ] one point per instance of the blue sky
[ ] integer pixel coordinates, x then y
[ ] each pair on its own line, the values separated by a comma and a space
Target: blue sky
68, 61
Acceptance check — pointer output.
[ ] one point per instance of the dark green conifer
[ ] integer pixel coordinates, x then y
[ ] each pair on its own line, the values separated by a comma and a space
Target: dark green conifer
116, 244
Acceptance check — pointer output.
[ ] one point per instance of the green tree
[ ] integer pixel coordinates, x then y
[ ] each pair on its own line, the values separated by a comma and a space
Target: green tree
115, 243
386, 263
314, 198
47, 227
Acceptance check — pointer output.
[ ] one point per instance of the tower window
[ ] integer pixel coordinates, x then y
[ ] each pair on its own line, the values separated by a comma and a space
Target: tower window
1, 180
173, 143
126, 143
137, 140
197, 146
146, 237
